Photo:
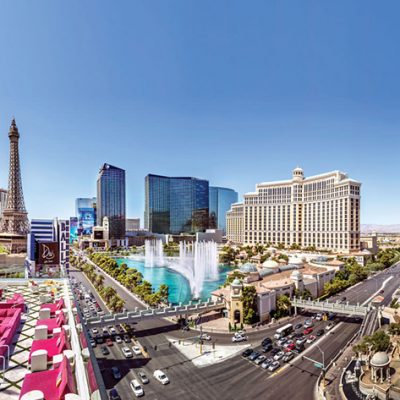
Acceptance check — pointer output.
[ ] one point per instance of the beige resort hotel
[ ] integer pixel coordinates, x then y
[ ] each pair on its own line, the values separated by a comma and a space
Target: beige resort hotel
321, 211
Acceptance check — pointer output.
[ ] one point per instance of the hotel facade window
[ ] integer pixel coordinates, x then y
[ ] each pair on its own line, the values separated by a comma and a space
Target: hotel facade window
321, 211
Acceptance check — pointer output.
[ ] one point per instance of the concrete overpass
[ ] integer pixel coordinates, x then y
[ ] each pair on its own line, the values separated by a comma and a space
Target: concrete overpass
337, 307
150, 313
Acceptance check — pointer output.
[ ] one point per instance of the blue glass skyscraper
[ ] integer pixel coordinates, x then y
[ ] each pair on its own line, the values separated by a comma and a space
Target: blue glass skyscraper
221, 200
176, 204
111, 199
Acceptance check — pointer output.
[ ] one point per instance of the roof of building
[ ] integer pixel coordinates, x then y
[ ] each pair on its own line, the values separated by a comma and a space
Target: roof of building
270, 264
380, 359
247, 268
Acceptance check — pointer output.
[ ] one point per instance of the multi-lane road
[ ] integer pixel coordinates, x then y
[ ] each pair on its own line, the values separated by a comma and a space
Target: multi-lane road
235, 378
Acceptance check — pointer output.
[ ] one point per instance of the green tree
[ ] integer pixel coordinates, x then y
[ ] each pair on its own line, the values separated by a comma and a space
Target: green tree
249, 300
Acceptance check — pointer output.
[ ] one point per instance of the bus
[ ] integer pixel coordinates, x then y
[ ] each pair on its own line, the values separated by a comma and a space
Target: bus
283, 331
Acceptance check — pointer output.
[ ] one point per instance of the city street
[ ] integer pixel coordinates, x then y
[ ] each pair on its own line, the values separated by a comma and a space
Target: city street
235, 378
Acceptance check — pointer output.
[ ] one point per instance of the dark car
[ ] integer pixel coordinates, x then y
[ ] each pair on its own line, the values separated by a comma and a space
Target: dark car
104, 351
113, 395
127, 339
298, 326
116, 373
254, 355
247, 352
267, 347
320, 332
266, 341
99, 339
275, 351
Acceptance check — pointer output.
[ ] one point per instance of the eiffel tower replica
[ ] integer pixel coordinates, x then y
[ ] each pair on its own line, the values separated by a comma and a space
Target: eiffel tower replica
14, 225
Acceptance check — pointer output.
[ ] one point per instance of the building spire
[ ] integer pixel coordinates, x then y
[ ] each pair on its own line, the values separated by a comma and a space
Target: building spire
15, 218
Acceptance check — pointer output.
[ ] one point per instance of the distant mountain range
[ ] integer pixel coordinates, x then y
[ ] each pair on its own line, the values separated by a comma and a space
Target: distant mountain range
370, 228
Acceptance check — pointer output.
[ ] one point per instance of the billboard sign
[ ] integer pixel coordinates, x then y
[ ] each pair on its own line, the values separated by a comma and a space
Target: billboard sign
73, 229
86, 220
48, 253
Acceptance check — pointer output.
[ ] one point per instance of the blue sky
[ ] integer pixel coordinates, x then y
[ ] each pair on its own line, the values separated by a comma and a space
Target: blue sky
236, 92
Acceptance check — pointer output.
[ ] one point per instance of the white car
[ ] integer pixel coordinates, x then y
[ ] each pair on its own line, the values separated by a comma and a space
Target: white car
126, 351
136, 350
239, 338
95, 331
279, 355
112, 331
137, 389
118, 339
311, 339
160, 376
275, 365
330, 326
205, 336
318, 317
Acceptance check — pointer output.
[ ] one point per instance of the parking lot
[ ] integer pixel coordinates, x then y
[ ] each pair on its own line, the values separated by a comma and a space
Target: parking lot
274, 353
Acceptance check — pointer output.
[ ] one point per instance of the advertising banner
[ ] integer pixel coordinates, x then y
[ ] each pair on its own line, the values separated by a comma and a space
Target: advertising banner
48, 253
73, 229
86, 220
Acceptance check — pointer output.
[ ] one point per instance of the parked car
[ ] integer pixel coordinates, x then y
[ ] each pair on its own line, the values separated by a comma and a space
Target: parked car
266, 341
267, 363
118, 339
136, 350
307, 331
116, 373
112, 330
247, 352
275, 365
95, 331
105, 351
92, 342
143, 377
279, 356
300, 342
290, 347
109, 342
126, 351
298, 326
281, 342
127, 339
320, 332
268, 347
254, 355
318, 317
205, 336
136, 388
287, 357
113, 395
260, 360
311, 339
308, 323
275, 351
160, 376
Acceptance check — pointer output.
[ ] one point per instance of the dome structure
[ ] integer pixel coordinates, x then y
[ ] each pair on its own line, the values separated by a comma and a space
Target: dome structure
295, 261
248, 268
236, 282
270, 264
380, 359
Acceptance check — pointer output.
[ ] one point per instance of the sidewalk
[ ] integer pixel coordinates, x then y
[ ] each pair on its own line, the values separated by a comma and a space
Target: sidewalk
333, 375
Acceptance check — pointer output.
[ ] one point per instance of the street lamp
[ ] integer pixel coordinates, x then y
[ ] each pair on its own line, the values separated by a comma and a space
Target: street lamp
323, 366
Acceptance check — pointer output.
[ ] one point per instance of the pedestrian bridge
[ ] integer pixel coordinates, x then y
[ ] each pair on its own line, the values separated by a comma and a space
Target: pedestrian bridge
325, 306
151, 313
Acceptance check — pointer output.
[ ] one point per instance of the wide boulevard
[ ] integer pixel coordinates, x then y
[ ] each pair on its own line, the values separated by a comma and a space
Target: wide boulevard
234, 378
